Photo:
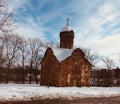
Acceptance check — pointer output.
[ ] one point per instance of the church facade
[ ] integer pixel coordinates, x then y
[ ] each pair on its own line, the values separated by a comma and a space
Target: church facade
65, 66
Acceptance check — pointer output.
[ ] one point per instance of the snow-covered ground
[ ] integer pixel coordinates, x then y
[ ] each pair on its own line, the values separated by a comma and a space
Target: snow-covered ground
26, 92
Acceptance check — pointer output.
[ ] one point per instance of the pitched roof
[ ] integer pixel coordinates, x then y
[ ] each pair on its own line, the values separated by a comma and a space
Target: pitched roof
62, 53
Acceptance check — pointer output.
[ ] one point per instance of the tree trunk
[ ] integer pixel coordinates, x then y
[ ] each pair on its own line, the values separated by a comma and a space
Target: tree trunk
30, 72
23, 76
7, 75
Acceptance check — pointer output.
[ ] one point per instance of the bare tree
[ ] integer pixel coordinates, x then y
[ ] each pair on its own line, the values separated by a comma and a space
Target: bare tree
35, 57
7, 20
1, 51
49, 44
109, 65
7, 24
23, 49
91, 56
10, 53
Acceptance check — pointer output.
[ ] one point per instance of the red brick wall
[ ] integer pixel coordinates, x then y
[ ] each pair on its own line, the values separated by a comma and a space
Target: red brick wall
73, 71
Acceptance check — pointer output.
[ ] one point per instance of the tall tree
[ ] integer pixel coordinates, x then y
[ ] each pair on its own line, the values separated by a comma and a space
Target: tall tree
1, 51
10, 53
7, 20
91, 56
7, 25
23, 49
35, 57
109, 65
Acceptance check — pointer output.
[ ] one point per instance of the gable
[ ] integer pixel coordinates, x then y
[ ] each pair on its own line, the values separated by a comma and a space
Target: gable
61, 53
47, 54
78, 55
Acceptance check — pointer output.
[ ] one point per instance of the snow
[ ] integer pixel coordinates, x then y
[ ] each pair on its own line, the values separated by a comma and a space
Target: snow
62, 53
66, 28
27, 92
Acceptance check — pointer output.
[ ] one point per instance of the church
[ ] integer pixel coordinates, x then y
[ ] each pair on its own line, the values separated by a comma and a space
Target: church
65, 66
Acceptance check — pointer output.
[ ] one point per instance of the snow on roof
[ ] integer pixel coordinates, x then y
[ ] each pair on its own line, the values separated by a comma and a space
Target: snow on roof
62, 53
66, 28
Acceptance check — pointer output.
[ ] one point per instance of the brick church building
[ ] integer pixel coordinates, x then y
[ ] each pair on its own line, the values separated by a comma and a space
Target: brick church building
65, 66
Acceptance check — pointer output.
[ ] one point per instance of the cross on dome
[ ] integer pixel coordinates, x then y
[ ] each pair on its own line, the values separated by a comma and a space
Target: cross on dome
67, 26
68, 21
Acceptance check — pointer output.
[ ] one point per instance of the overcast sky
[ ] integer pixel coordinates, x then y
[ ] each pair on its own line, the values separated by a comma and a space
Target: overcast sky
96, 23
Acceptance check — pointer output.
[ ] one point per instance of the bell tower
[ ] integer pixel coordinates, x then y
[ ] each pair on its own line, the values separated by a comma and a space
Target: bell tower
66, 37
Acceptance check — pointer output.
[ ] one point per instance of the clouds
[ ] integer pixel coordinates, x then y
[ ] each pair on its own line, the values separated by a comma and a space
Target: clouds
101, 22
101, 30
107, 45
96, 23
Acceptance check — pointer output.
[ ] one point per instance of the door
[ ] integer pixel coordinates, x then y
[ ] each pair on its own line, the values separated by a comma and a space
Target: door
74, 82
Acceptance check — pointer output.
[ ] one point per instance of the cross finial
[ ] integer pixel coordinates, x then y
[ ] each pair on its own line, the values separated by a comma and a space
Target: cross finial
68, 21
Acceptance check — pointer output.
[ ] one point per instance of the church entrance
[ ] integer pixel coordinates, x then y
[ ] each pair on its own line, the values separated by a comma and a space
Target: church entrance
74, 83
